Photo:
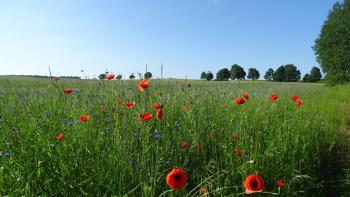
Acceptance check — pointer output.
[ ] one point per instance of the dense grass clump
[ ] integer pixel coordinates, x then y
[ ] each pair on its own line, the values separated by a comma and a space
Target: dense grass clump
114, 153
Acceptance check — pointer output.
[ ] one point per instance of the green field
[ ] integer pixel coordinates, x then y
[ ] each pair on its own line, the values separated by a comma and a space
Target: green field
116, 154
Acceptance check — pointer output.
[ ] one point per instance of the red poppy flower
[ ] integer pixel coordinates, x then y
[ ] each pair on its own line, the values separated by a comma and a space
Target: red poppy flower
84, 118
176, 179
156, 106
237, 152
186, 107
119, 102
294, 98
299, 103
246, 96
60, 136
130, 104
146, 117
239, 101
110, 76
68, 91
190, 102
199, 148
159, 114
55, 78
253, 183
273, 97
143, 84
280, 184
184, 144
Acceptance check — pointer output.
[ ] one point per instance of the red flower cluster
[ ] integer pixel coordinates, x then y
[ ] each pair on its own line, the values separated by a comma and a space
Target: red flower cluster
237, 152
146, 117
130, 104
119, 102
60, 136
273, 97
241, 100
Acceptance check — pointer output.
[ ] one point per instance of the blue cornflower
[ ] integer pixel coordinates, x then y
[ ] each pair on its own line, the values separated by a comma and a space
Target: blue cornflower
107, 130
137, 133
75, 92
6, 154
167, 161
109, 120
157, 135
1, 117
1, 126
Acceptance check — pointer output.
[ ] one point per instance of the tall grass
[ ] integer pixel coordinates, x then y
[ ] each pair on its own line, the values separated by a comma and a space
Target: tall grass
114, 153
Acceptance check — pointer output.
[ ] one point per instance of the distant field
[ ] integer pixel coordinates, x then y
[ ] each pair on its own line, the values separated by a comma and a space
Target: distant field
115, 154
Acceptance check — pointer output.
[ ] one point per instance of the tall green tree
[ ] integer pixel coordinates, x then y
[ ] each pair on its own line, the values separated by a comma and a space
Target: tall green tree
291, 73
209, 76
237, 72
315, 74
253, 74
269, 74
148, 75
132, 76
306, 77
203, 75
279, 74
223, 75
332, 47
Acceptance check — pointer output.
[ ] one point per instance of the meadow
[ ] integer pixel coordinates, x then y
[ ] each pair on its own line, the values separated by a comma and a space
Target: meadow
47, 150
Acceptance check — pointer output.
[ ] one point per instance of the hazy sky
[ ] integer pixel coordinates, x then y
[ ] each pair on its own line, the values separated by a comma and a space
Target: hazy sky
187, 36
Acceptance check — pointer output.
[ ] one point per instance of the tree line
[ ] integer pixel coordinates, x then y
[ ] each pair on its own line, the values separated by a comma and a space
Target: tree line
284, 73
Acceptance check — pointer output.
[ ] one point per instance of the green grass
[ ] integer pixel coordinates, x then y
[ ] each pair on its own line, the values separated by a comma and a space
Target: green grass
105, 156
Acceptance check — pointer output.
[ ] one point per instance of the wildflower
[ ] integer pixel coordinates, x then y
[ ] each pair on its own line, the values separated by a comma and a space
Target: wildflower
84, 118
253, 183
157, 135
211, 134
143, 84
108, 120
110, 76
294, 98
160, 114
130, 104
176, 179
1, 117
186, 107
60, 136
146, 117
52, 146
239, 101
56, 78
184, 144
199, 148
167, 162
204, 191
177, 123
280, 184
137, 133
107, 130
273, 97
6, 154
103, 108
246, 96
299, 103
235, 137
190, 102
119, 102
237, 152
1, 126
74, 92
156, 106
68, 91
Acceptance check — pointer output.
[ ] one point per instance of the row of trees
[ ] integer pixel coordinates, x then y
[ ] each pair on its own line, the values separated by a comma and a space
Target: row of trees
147, 75
285, 73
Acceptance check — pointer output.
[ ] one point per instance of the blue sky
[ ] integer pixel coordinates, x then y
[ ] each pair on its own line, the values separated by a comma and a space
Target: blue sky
187, 36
